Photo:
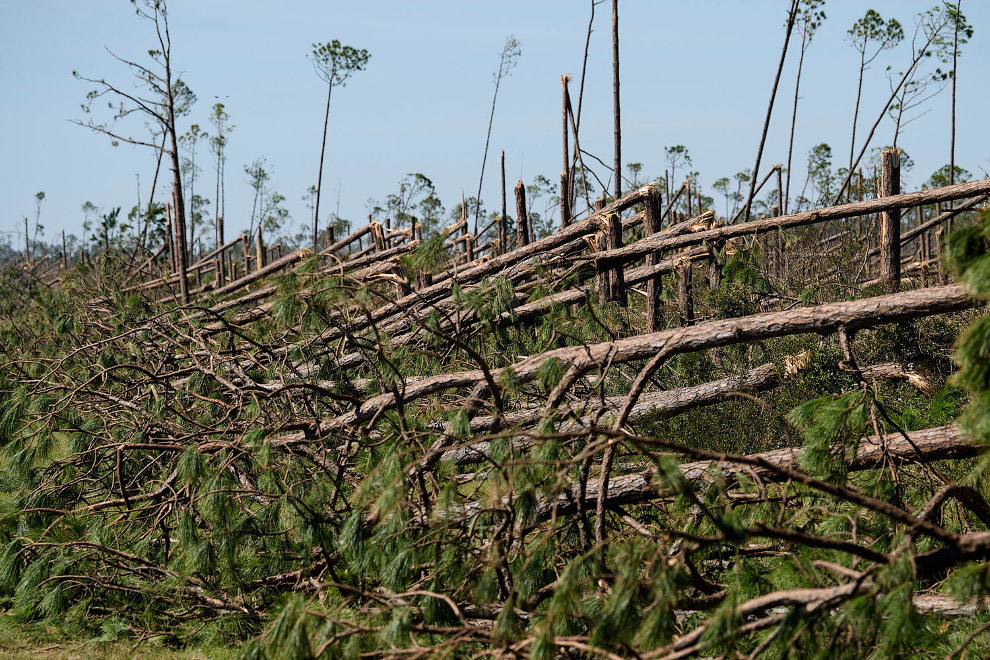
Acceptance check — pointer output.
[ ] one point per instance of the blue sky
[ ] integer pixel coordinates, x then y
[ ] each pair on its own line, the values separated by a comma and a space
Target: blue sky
696, 73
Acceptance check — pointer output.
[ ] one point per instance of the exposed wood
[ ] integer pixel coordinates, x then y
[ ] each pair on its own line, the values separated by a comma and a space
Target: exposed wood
503, 238
852, 315
522, 219
904, 200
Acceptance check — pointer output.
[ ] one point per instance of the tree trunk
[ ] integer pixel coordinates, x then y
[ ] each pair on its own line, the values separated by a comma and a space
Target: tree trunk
522, 218
651, 224
790, 143
565, 196
617, 137
792, 14
685, 299
890, 221
859, 94
319, 176
503, 226
643, 247
853, 315
616, 281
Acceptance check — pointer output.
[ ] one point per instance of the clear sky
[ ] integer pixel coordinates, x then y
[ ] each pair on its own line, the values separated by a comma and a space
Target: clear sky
695, 73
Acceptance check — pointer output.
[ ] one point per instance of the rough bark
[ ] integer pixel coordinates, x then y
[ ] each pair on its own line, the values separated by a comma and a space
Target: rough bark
852, 315
522, 219
890, 221
654, 285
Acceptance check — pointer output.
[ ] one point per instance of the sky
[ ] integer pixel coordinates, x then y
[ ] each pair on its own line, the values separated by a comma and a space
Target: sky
693, 73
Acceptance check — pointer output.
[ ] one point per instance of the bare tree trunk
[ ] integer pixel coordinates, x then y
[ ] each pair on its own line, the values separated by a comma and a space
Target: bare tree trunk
565, 194
685, 299
179, 242
522, 220
616, 281
180, 210
859, 95
890, 221
503, 226
918, 57
27, 241
652, 219
319, 176
259, 250
790, 143
617, 141
151, 197
792, 14
853, 315
170, 237
955, 71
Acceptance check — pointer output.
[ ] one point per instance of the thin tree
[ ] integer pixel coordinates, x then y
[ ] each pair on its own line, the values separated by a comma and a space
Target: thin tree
334, 63
791, 16
811, 18
162, 97
883, 35
257, 176
617, 139
929, 34
507, 60
39, 197
961, 33
221, 129
191, 139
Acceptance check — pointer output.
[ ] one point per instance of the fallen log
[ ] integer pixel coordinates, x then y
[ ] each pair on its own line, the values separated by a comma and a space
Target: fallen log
663, 404
657, 242
827, 318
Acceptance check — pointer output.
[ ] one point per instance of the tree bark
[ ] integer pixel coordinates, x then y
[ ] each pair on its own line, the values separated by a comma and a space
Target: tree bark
503, 226
685, 299
522, 219
853, 315
651, 224
616, 107
890, 220
790, 142
319, 176
904, 200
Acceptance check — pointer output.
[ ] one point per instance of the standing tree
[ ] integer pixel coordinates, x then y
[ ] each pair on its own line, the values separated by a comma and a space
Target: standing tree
89, 209
722, 186
190, 140
334, 63
870, 34
617, 129
257, 176
221, 129
676, 155
160, 97
919, 84
810, 18
929, 38
791, 17
507, 60
39, 197
961, 33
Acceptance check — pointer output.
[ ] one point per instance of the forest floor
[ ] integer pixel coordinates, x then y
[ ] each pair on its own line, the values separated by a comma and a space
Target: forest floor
29, 643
